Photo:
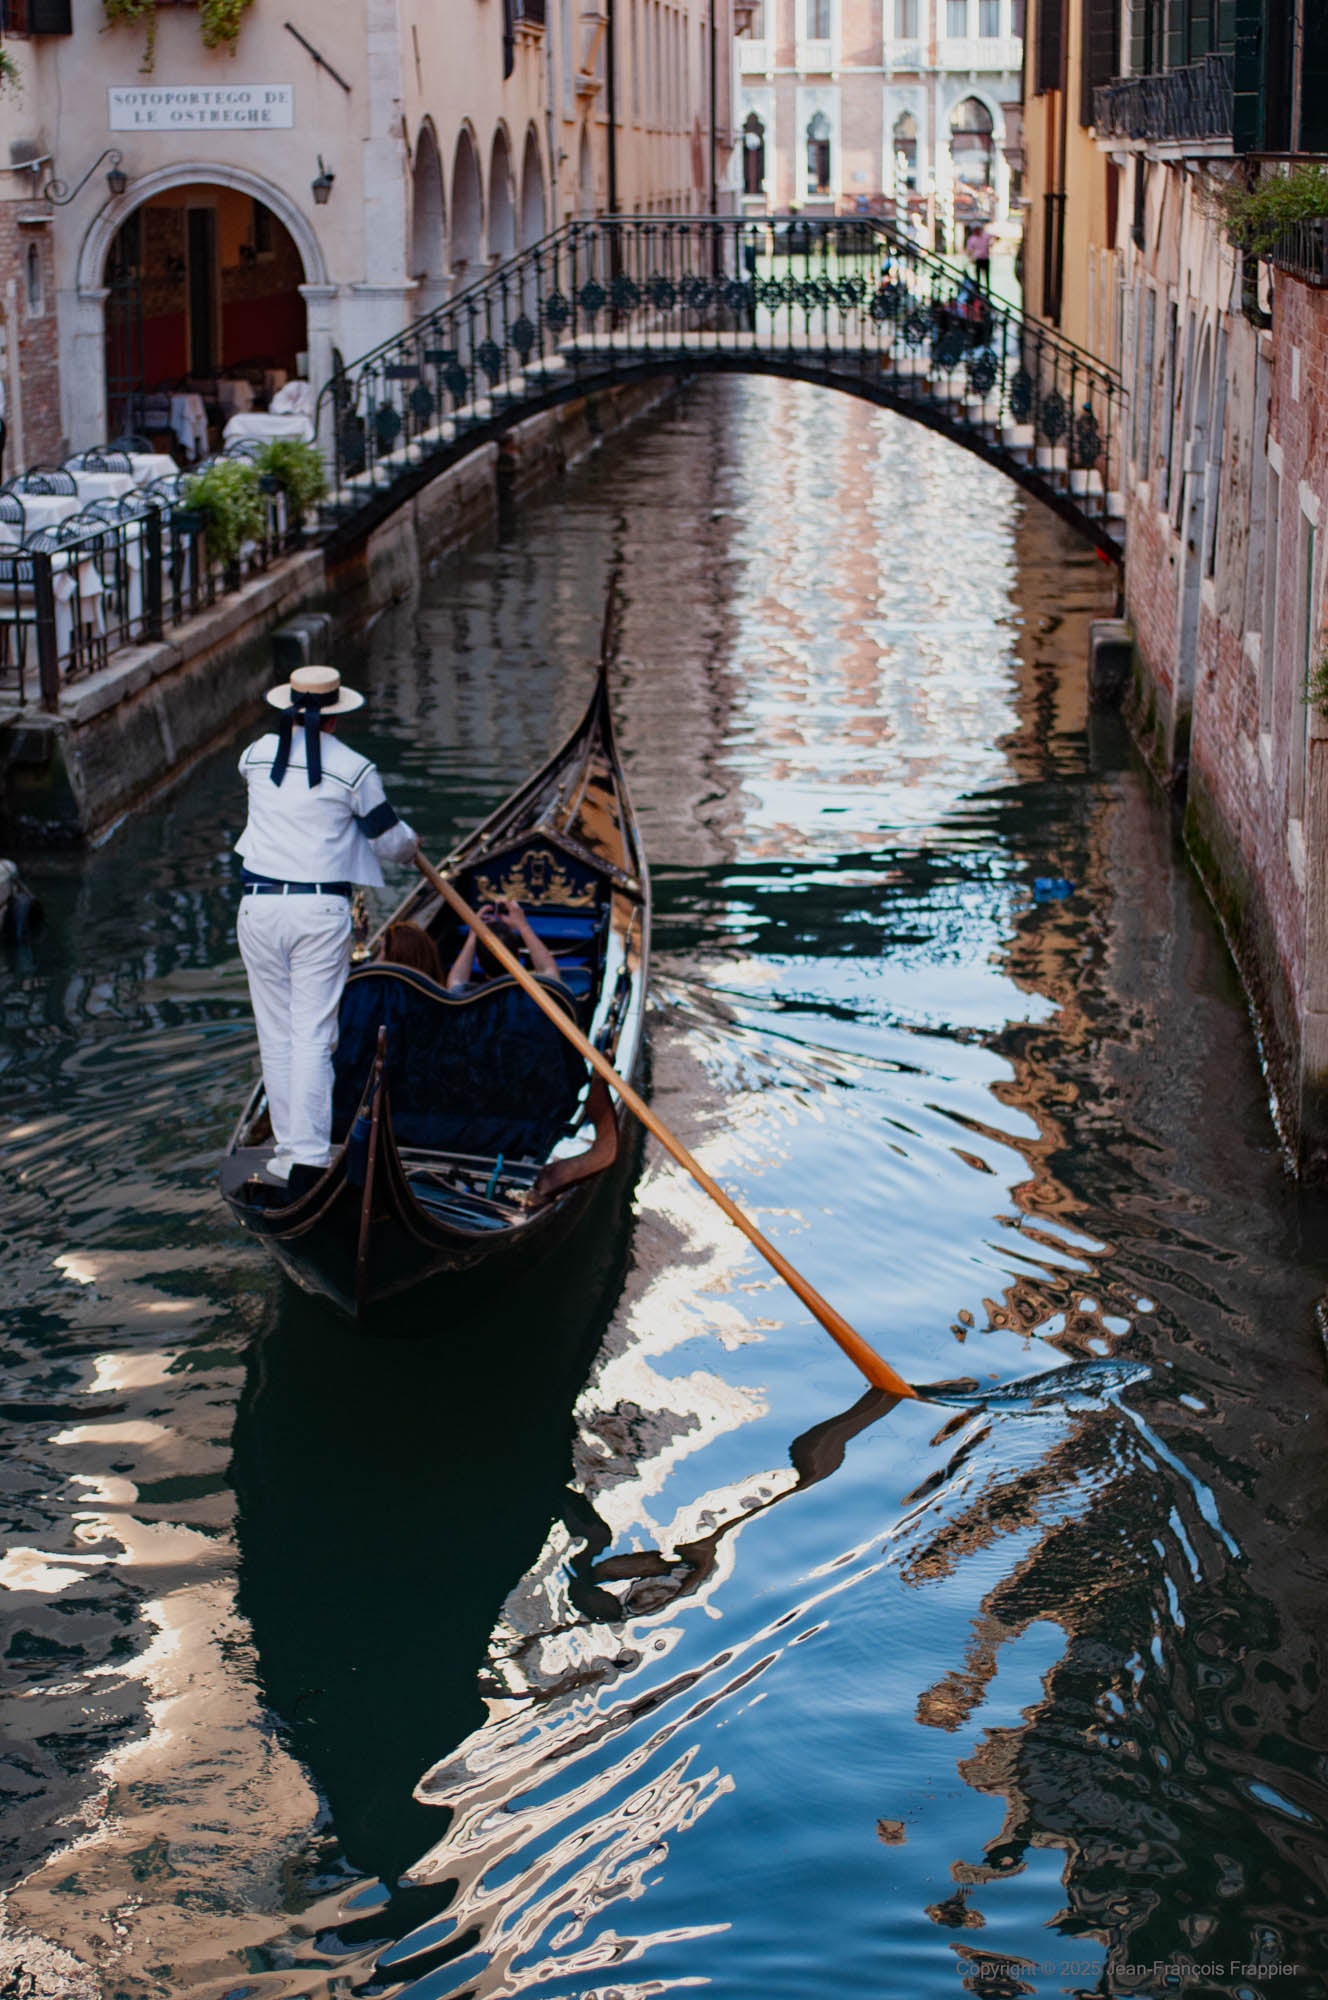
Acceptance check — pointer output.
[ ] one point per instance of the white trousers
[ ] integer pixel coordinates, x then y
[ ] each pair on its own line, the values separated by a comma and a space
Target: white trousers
296, 951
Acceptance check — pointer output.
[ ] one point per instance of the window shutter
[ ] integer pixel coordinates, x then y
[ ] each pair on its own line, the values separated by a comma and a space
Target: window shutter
1099, 60
1049, 65
49, 17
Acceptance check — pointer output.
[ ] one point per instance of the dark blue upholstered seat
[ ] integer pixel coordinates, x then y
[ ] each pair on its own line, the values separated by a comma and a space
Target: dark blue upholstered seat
480, 1072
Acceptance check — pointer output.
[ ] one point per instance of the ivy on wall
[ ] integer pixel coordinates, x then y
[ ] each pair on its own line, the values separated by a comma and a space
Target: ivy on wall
219, 23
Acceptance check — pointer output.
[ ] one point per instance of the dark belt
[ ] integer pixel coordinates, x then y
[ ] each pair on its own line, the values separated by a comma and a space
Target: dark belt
268, 885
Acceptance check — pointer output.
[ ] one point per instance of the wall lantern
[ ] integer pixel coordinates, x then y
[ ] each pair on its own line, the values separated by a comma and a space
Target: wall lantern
322, 186
117, 180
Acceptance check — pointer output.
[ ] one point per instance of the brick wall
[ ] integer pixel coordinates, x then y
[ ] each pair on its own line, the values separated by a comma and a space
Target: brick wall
32, 368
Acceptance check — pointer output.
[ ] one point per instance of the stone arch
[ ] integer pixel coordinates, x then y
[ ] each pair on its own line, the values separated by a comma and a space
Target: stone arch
83, 328
972, 126
105, 223
502, 200
467, 210
428, 222
532, 221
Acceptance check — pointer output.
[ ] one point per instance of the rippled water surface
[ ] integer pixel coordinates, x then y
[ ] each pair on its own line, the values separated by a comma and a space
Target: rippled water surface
612, 1642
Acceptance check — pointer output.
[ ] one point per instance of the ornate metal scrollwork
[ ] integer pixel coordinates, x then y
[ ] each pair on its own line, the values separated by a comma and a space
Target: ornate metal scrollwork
592, 297
983, 370
557, 311
917, 325
522, 336
1021, 396
661, 292
949, 349
387, 426
421, 403
1087, 438
490, 357
770, 292
696, 292
888, 302
1053, 417
737, 296
624, 293
456, 380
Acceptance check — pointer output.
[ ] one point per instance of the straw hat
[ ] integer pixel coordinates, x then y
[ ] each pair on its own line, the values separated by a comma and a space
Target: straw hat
316, 688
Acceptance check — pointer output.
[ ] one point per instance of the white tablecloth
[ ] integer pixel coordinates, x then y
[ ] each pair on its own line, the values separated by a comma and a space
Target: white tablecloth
102, 485
47, 510
253, 425
150, 465
235, 395
189, 422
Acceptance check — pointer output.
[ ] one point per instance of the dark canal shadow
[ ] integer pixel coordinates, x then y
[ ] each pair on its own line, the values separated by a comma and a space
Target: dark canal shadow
390, 1492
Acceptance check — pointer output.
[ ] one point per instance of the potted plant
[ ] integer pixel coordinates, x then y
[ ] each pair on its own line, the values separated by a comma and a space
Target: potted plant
296, 468
227, 498
218, 20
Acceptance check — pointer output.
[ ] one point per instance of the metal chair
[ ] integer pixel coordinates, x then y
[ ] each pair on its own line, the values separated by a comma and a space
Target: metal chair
47, 479
102, 459
11, 510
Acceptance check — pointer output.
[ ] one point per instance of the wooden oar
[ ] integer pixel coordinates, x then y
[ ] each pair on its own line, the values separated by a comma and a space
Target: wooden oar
877, 1371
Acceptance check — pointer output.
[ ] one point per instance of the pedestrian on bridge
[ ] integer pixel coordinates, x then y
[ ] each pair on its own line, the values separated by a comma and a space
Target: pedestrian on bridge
978, 247
319, 823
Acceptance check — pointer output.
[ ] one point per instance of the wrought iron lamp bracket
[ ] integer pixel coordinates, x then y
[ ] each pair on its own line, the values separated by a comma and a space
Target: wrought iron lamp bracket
60, 194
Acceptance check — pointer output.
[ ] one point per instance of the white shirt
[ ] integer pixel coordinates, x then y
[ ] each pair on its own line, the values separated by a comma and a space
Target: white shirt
336, 831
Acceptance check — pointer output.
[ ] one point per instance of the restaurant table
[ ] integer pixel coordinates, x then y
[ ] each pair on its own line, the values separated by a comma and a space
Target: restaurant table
149, 465
47, 510
263, 429
101, 485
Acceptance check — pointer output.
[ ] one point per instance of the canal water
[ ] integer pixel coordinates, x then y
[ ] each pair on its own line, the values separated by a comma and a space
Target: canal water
612, 1642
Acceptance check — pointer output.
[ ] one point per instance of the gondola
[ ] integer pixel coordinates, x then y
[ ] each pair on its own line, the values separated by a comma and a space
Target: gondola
467, 1132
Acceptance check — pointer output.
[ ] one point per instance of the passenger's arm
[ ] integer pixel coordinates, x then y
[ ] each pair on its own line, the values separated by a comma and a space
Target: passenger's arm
463, 966
542, 959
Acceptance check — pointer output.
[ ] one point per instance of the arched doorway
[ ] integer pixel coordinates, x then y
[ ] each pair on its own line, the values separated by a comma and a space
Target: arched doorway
467, 212
532, 193
428, 224
818, 156
973, 148
203, 294
753, 156
502, 201
904, 143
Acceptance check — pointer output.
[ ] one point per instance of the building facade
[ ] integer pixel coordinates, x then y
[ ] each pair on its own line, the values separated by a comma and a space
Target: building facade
177, 218
1224, 359
906, 108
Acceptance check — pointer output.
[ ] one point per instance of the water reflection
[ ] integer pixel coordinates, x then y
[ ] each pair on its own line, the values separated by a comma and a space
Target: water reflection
662, 1659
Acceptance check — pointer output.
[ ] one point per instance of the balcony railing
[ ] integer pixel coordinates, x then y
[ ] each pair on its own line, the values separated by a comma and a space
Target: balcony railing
1301, 250
1191, 103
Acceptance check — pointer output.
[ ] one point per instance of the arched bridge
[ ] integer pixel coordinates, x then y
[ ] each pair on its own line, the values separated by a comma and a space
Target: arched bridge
843, 301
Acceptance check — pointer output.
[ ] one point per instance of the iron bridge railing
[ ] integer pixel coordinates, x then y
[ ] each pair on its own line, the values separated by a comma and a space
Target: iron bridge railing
847, 300
1301, 250
1195, 102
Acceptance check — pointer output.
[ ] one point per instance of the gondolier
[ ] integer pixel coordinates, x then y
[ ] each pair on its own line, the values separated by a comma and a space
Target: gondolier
319, 824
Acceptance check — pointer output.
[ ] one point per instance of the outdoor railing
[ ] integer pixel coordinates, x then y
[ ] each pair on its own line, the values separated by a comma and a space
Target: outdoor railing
847, 299
73, 595
1301, 250
1191, 103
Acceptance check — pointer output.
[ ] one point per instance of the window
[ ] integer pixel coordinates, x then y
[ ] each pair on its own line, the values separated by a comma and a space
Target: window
972, 147
755, 29
818, 20
989, 18
1143, 398
1307, 636
956, 18
818, 154
35, 288
753, 155
1268, 640
906, 20
1256, 546
1049, 54
905, 143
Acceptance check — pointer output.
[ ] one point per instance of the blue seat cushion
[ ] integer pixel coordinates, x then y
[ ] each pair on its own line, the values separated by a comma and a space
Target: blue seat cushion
477, 1072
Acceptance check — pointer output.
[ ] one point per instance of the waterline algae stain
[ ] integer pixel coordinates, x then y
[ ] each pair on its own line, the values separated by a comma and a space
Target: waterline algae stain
667, 1658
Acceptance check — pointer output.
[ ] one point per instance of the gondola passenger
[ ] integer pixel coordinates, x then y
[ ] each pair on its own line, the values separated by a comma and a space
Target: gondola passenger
319, 823
410, 944
472, 964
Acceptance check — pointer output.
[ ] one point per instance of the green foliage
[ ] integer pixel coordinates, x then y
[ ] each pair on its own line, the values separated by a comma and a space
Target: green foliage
220, 21
128, 14
298, 469
1255, 216
1316, 691
11, 76
228, 496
